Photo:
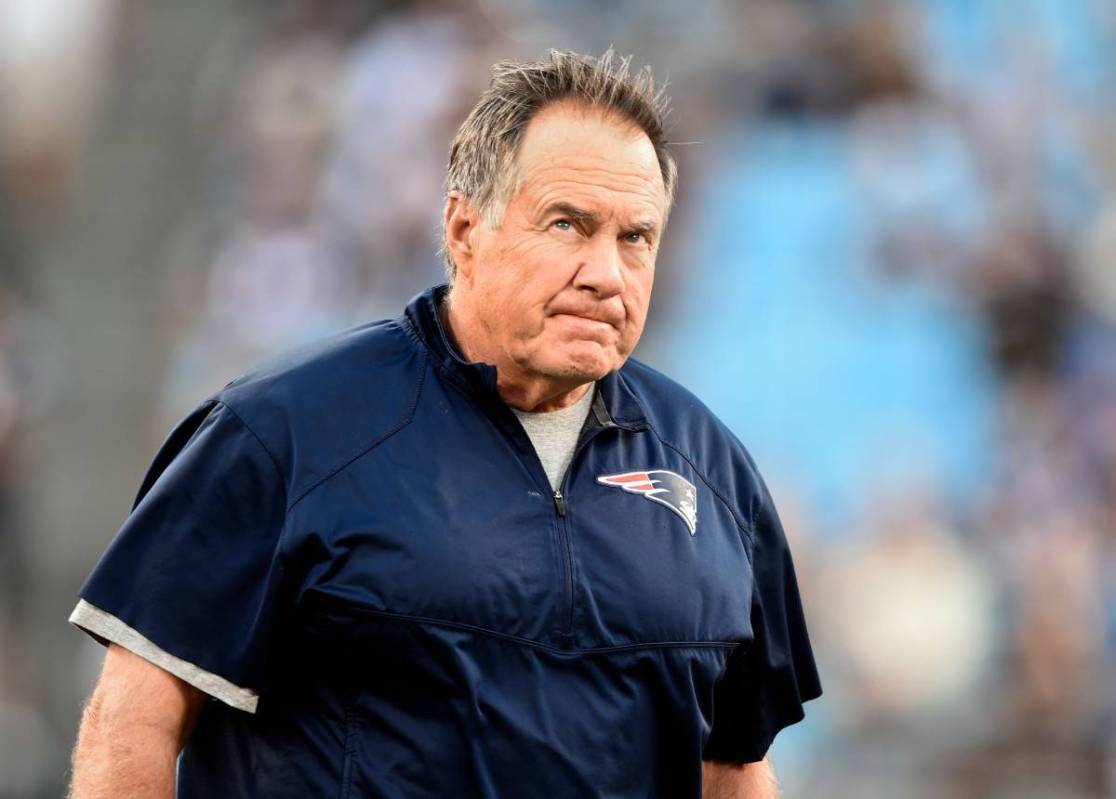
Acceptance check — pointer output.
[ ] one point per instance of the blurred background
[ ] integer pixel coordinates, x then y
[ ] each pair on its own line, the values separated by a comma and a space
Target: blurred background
891, 269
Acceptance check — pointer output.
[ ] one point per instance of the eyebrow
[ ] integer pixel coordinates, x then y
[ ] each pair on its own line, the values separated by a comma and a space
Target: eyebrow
572, 211
593, 218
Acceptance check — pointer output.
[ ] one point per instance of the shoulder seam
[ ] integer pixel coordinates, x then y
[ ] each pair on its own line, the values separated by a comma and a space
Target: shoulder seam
280, 539
744, 528
260, 441
405, 420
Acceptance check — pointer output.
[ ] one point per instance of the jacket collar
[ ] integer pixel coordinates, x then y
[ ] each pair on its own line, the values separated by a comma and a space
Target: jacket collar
614, 404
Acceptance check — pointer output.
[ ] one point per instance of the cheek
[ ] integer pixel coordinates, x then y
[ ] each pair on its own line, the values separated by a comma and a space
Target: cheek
523, 264
516, 291
638, 297
525, 255
538, 272
500, 278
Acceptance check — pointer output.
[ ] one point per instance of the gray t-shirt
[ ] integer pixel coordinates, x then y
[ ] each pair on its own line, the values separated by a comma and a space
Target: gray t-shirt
554, 434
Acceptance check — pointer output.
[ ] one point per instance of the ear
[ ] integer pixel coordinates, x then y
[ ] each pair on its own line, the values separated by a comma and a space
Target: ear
460, 222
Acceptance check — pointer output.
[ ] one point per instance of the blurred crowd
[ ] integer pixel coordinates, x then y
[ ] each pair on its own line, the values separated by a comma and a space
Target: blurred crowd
891, 270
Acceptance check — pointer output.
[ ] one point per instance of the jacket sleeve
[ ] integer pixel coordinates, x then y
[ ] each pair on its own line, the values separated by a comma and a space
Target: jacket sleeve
767, 680
191, 582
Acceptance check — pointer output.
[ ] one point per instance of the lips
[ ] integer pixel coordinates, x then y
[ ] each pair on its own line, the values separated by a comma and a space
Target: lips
583, 319
612, 319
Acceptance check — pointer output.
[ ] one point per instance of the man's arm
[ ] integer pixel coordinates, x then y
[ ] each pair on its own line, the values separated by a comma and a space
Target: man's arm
746, 781
134, 725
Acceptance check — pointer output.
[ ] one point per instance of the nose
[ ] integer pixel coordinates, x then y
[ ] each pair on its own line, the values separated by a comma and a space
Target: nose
602, 269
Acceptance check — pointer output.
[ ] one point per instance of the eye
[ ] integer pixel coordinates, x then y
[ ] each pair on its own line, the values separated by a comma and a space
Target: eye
563, 224
635, 237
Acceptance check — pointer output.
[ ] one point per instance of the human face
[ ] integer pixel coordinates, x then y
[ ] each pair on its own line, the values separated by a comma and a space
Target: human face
562, 286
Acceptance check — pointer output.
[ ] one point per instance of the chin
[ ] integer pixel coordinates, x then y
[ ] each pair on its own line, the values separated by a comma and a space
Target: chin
585, 366
580, 360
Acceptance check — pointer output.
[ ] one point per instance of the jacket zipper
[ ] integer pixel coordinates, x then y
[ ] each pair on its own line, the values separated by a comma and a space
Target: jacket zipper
560, 509
566, 627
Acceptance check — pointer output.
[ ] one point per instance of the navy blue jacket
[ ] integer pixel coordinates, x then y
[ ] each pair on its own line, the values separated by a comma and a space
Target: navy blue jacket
356, 547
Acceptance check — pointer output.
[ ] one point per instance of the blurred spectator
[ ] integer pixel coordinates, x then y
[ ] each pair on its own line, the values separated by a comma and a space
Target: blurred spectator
54, 59
1023, 284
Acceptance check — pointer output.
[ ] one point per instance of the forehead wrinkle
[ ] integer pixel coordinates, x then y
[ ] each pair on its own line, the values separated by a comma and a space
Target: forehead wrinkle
573, 189
593, 187
643, 210
588, 159
608, 169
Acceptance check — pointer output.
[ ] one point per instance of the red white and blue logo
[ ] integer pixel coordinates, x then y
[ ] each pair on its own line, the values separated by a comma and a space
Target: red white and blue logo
659, 485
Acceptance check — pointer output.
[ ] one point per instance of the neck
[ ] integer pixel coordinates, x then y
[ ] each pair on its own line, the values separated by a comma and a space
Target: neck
538, 399
521, 390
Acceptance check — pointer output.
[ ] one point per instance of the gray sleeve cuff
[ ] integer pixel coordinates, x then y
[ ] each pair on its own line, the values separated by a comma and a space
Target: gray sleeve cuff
105, 628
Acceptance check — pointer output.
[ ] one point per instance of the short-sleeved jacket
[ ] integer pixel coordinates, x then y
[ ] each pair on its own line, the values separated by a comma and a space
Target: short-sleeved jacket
356, 548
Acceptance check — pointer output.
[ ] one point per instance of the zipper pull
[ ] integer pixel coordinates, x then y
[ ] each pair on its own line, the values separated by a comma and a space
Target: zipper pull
559, 503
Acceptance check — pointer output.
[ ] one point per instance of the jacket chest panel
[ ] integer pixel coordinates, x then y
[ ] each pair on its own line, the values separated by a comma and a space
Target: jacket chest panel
641, 574
454, 537
448, 520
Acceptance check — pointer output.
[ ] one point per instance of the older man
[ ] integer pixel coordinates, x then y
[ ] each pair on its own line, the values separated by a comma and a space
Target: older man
473, 551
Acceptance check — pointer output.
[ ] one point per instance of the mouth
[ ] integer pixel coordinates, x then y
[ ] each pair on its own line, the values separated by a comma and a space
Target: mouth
584, 321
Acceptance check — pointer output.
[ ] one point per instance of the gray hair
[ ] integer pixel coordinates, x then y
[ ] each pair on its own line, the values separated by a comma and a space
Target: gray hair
482, 161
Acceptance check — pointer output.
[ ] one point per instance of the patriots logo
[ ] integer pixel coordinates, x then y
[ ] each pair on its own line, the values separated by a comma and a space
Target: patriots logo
659, 485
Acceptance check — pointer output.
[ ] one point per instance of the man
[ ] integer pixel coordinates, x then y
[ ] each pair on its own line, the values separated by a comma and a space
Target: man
473, 551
